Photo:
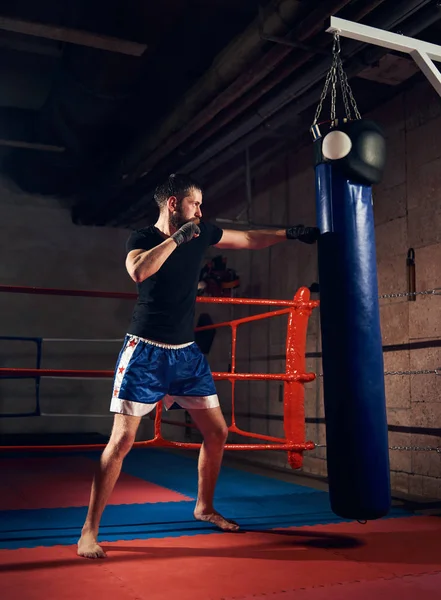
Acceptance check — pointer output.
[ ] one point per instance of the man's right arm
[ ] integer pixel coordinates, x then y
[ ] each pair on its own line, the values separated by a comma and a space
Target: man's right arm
141, 264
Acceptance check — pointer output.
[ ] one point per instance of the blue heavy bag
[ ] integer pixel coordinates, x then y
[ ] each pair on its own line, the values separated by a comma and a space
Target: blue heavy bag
353, 369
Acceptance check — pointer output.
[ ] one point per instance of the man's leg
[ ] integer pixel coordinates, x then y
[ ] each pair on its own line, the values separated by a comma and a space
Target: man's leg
122, 438
214, 430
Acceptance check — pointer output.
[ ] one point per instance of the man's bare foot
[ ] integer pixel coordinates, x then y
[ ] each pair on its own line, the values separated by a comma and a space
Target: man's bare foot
89, 548
216, 519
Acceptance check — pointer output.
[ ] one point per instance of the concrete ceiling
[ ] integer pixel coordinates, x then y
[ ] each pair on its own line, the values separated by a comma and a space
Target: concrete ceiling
99, 100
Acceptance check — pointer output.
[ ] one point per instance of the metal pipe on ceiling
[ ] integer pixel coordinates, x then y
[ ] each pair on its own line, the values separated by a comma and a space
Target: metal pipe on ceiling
243, 172
313, 24
229, 65
270, 83
297, 88
372, 55
308, 27
429, 16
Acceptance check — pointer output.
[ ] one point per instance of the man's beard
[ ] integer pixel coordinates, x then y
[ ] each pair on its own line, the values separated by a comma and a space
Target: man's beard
177, 219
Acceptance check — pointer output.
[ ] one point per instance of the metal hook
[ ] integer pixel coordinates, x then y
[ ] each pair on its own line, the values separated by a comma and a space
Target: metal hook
336, 47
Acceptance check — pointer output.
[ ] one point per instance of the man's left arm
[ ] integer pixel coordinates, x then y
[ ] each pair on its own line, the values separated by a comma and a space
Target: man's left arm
256, 239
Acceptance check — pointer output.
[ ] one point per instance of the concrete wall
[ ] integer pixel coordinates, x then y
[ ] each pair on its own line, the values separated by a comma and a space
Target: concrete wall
407, 208
41, 247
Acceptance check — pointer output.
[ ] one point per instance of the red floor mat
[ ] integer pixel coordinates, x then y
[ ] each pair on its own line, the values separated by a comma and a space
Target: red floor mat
59, 482
226, 566
411, 587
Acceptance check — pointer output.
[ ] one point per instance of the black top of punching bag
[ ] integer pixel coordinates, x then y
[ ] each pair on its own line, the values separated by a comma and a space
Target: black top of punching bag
365, 159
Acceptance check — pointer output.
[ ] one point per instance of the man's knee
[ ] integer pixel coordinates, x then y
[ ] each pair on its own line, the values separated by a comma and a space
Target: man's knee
217, 435
120, 445
123, 435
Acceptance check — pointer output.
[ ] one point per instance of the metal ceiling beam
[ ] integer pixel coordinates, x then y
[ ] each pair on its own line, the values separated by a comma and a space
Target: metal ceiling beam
31, 145
16, 131
423, 53
429, 69
385, 39
72, 36
234, 70
30, 45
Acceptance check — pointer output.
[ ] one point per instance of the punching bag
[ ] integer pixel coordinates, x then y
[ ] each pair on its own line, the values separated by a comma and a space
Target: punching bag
347, 164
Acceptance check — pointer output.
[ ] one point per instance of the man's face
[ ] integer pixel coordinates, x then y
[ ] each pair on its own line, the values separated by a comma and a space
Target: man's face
188, 209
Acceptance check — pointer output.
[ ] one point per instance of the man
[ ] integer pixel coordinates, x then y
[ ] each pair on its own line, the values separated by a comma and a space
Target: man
159, 359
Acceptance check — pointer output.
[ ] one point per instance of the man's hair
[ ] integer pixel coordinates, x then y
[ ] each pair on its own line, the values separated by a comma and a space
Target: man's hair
175, 185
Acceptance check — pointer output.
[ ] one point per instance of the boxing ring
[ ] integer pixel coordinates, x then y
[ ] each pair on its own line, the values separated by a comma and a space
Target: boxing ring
148, 526
294, 378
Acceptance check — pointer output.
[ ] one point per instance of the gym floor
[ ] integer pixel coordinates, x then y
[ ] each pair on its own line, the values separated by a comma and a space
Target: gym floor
290, 545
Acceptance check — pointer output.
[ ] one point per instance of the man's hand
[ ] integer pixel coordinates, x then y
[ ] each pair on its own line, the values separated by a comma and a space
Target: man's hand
186, 233
308, 235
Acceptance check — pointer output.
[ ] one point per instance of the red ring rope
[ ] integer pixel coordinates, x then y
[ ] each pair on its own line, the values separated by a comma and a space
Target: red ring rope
299, 310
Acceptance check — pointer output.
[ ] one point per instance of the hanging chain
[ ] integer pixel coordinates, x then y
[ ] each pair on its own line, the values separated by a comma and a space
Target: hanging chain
343, 82
436, 449
334, 93
336, 73
322, 98
418, 448
330, 77
434, 292
347, 95
420, 372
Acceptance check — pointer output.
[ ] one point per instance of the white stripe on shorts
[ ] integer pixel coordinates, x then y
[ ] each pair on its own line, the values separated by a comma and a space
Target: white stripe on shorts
139, 409
124, 361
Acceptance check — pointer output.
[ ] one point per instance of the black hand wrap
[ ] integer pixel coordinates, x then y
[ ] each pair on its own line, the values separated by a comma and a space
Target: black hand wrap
186, 233
308, 235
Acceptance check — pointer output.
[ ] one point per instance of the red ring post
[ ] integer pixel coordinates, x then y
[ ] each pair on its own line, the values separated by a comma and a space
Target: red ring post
294, 391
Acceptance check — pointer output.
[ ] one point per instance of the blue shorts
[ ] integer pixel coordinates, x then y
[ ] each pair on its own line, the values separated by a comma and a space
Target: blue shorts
149, 371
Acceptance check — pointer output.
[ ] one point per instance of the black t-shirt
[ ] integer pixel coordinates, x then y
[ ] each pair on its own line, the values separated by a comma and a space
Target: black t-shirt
165, 308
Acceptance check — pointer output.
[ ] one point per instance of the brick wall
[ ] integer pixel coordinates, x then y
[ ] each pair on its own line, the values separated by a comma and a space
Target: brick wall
407, 207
